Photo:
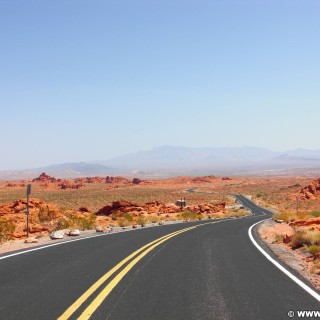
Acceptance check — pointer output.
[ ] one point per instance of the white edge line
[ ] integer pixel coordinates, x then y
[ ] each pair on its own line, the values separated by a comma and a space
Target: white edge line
279, 266
51, 245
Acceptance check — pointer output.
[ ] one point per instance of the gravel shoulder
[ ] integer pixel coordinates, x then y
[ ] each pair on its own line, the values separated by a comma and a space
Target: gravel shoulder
299, 260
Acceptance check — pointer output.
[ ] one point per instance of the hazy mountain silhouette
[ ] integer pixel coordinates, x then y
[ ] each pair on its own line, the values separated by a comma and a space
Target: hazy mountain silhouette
171, 160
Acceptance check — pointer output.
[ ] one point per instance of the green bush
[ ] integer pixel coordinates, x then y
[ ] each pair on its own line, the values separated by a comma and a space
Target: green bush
6, 230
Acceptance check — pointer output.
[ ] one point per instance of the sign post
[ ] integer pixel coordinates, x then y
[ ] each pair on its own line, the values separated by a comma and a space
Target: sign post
27, 211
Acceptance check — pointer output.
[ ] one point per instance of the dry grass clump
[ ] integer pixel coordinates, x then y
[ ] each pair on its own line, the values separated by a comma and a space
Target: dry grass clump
314, 249
76, 222
188, 215
6, 230
306, 239
289, 216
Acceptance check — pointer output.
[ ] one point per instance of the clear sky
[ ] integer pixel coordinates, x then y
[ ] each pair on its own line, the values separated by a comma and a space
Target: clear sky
90, 80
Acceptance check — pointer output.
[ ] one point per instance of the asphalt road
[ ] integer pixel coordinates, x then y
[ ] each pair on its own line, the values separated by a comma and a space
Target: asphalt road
212, 271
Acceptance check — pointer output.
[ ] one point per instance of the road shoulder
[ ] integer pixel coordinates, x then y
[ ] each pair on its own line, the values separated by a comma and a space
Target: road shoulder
296, 262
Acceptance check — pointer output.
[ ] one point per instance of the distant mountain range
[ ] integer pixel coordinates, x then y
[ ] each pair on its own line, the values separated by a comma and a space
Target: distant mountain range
170, 160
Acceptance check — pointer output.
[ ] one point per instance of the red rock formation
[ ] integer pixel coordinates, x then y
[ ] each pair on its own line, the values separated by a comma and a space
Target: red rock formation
157, 207
68, 185
305, 222
136, 181
44, 178
40, 213
96, 179
311, 191
117, 180
207, 179
207, 208
15, 185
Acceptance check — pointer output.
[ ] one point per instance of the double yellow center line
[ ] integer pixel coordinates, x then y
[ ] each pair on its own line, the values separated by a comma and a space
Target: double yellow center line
136, 257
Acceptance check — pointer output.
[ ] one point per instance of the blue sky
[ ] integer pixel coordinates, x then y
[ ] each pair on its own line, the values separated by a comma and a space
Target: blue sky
90, 80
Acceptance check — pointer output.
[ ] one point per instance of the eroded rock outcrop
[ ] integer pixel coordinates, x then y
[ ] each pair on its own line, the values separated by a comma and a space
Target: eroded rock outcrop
157, 207
311, 191
66, 184
44, 178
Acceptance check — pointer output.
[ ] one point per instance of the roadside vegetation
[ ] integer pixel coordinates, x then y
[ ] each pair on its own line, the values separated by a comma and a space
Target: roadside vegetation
6, 230
72, 221
290, 216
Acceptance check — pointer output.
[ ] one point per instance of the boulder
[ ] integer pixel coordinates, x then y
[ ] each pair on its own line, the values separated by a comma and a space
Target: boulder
31, 240
57, 235
74, 232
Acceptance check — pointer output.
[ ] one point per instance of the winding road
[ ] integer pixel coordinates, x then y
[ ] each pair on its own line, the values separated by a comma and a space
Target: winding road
196, 270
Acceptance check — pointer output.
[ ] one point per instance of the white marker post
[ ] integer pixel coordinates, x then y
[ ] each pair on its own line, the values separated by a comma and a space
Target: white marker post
27, 211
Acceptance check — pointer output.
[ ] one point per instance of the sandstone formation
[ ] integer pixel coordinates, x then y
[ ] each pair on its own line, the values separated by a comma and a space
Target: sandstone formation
207, 208
68, 185
40, 215
205, 179
311, 191
157, 207
44, 178
90, 180
136, 181
117, 180
15, 185
311, 222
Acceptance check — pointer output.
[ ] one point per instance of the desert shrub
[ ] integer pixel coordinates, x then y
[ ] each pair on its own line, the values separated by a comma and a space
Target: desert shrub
62, 224
142, 220
314, 237
288, 216
122, 216
188, 215
314, 249
153, 219
77, 222
45, 214
315, 214
6, 230
299, 239
123, 222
